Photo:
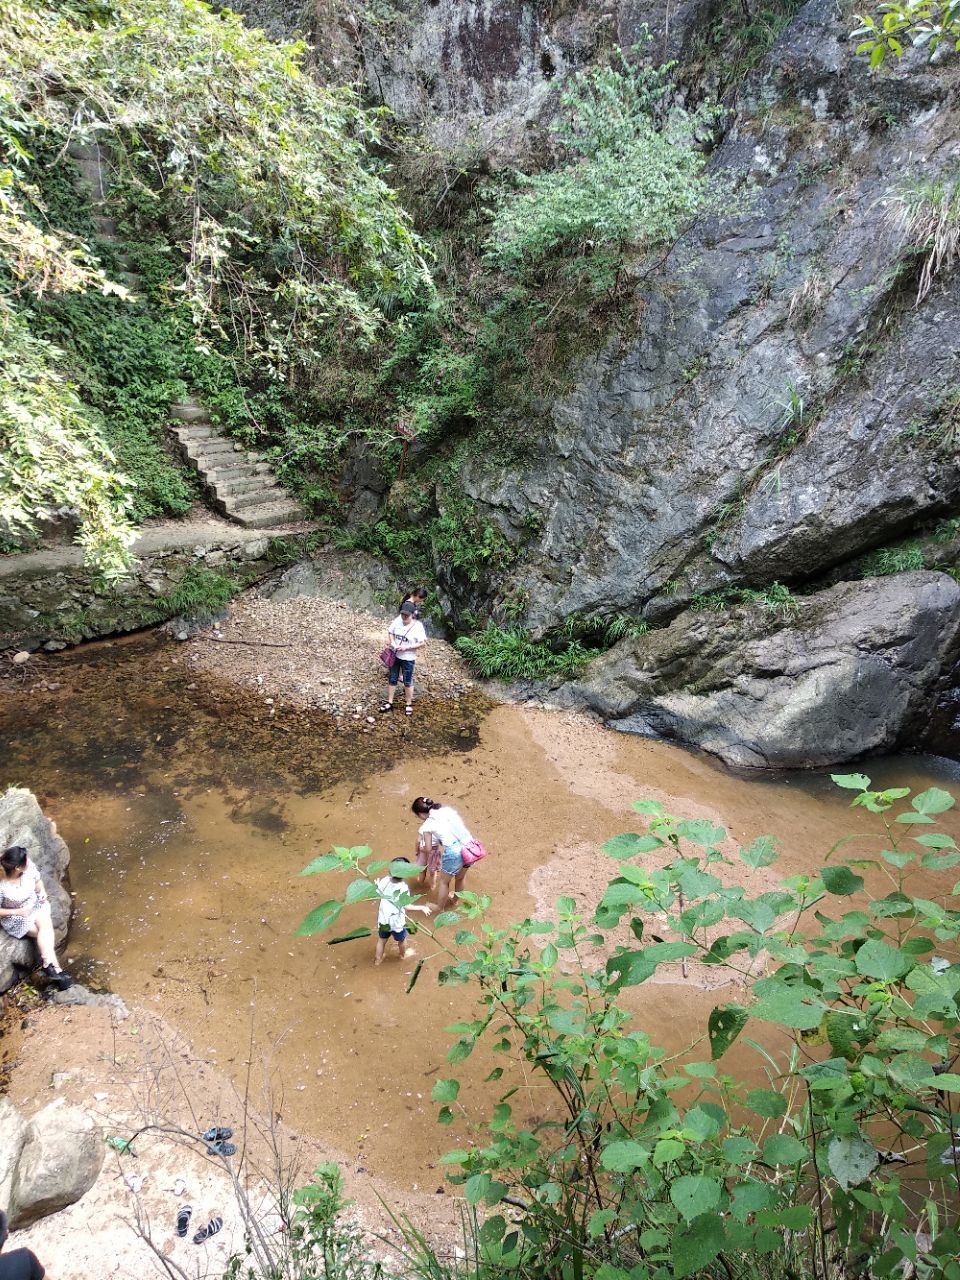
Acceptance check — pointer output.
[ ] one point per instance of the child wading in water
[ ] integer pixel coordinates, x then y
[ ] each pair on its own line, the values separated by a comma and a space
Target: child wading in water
392, 915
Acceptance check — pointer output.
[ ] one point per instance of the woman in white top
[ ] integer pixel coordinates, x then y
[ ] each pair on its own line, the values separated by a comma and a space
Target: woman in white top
25, 910
406, 635
442, 825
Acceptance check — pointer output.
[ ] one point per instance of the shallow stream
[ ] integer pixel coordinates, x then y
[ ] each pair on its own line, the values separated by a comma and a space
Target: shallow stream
189, 809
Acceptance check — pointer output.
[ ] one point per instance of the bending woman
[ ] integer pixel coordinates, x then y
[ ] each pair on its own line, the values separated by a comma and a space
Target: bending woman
442, 825
25, 910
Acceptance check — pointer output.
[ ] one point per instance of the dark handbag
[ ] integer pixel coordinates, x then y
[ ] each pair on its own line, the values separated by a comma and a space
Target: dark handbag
388, 656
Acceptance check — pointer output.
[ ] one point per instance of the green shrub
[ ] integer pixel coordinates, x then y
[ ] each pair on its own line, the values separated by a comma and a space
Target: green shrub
633, 174
887, 560
510, 653
199, 592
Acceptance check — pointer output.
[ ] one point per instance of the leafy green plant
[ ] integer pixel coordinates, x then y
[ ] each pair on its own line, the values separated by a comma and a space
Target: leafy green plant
922, 23
199, 592
633, 174
887, 560
511, 653
648, 1165
779, 599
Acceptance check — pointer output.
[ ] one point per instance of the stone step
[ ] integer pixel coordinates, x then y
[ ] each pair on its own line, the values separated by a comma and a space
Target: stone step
215, 455
234, 472
83, 150
256, 497
266, 516
196, 431
106, 227
189, 411
261, 485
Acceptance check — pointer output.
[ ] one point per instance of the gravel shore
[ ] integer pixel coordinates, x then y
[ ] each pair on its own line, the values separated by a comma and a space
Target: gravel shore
318, 653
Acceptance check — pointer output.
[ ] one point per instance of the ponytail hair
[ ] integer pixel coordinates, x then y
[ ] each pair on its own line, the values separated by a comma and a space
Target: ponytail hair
423, 805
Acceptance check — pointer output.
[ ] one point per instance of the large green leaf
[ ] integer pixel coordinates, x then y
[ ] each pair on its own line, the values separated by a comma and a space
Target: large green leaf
788, 1004
326, 862
360, 891
694, 1194
624, 1156
629, 845
723, 1026
445, 1090
851, 781
696, 1245
841, 881
766, 1103
761, 853
320, 918
700, 831
877, 959
851, 1159
783, 1148
933, 800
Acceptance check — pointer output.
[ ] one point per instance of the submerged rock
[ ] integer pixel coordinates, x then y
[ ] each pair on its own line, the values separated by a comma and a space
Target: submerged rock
22, 822
854, 669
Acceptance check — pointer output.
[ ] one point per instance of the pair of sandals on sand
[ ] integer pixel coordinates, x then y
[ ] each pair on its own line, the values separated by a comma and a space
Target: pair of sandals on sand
217, 1145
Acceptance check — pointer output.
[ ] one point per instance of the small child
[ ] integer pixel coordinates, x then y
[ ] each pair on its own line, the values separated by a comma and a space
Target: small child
392, 915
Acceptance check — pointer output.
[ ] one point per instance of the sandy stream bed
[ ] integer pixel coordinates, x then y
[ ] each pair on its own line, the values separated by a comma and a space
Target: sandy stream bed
186, 848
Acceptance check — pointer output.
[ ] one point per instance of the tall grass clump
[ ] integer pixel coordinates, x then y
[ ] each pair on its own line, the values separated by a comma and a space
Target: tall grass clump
927, 214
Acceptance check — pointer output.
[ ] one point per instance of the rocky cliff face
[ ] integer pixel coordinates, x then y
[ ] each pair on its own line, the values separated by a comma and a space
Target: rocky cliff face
780, 404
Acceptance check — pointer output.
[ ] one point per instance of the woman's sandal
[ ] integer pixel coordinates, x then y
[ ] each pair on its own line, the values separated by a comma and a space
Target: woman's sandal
220, 1134
408, 710
221, 1149
386, 706
211, 1229
183, 1219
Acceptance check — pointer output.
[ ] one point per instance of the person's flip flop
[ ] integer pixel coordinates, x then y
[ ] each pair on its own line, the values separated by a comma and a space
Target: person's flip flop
408, 711
183, 1219
218, 1134
221, 1149
211, 1229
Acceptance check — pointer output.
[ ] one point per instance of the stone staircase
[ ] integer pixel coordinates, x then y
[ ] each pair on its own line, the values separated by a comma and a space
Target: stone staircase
239, 483
91, 161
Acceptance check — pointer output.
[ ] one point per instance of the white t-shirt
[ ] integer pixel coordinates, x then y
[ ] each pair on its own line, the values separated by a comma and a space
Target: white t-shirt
391, 914
447, 825
403, 634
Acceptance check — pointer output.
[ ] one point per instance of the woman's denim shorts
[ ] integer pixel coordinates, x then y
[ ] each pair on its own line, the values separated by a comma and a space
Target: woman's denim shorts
451, 864
404, 667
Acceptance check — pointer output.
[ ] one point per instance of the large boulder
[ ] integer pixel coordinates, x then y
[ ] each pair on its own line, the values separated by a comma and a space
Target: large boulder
13, 1135
22, 822
59, 1162
854, 669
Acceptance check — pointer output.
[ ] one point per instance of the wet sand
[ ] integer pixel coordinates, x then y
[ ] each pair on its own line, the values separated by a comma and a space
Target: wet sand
188, 829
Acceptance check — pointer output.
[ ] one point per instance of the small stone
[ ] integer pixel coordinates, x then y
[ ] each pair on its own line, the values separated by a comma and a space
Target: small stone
371, 720
54, 646
21, 657
181, 635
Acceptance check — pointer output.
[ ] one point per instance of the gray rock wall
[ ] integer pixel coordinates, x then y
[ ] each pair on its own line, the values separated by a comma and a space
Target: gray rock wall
22, 822
676, 465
